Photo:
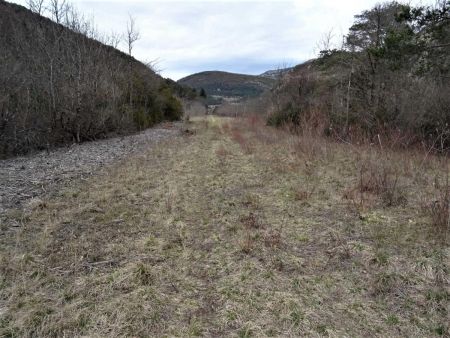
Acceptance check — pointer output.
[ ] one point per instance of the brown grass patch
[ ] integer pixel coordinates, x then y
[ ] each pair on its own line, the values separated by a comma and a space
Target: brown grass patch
173, 243
237, 136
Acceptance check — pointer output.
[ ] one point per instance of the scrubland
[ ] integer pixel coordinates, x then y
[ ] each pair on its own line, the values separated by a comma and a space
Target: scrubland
236, 229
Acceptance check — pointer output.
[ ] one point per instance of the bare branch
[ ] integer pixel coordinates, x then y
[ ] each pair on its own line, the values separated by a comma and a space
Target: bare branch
58, 9
36, 6
325, 42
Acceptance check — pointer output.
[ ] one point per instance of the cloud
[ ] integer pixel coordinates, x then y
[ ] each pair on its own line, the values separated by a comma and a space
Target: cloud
250, 36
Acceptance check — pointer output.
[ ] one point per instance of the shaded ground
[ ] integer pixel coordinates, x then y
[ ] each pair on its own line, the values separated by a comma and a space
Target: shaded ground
233, 230
26, 177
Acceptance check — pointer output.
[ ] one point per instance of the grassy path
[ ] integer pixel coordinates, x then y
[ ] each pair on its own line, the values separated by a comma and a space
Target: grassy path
225, 232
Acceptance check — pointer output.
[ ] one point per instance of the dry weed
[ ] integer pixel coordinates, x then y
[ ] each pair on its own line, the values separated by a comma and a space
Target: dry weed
247, 243
238, 137
439, 209
251, 221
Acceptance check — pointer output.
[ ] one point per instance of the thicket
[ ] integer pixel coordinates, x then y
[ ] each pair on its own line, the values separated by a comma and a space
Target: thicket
183, 91
389, 80
61, 82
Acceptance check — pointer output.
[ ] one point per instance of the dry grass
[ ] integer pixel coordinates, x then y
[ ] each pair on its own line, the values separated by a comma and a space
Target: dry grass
200, 237
439, 209
238, 137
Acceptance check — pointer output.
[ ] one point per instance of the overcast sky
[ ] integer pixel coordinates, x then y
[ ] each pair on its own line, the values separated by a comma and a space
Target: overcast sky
244, 37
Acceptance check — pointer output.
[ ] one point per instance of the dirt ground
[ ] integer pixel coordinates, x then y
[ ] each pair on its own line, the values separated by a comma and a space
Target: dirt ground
24, 178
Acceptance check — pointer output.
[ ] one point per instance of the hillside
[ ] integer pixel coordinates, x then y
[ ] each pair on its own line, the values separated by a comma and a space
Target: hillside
58, 84
228, 86
276, 73
389, 87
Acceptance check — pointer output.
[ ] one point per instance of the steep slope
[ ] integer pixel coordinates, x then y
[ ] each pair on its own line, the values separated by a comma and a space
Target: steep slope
228, 86
57, 85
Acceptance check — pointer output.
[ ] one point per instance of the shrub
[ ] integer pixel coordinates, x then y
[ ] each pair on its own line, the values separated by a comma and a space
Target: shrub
287, 115
173, 109
439, 210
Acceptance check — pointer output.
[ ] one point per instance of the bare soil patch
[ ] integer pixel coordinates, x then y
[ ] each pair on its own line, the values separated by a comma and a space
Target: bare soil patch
27, 177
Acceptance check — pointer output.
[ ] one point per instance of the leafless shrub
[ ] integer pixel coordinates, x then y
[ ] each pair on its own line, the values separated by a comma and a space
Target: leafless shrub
439, 210
378, 179
236, 135
309, 142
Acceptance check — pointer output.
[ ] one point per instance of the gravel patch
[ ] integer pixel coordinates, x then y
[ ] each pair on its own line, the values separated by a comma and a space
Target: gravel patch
32, 176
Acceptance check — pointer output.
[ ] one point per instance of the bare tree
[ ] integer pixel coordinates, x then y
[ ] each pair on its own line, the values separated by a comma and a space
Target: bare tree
326, 41
132, 33
36, 6
114, 39
131, 37
58, 9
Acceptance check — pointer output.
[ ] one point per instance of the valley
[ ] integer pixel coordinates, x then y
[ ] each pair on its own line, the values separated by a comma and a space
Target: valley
143, 193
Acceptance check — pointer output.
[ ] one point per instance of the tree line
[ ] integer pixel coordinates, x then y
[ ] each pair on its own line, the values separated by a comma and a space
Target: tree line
389, 79
61, 81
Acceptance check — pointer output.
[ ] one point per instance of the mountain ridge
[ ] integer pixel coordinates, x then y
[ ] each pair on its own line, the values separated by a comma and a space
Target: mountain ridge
221, 85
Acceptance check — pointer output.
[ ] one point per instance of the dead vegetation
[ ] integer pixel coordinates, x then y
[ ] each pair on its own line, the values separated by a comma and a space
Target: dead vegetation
439, 209
199, 237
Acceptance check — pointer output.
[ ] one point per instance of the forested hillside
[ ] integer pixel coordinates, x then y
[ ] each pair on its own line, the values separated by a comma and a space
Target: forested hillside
59, 84
218, 85
390, 80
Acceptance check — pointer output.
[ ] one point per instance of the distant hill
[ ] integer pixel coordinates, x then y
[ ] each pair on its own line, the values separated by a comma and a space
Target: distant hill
228, 86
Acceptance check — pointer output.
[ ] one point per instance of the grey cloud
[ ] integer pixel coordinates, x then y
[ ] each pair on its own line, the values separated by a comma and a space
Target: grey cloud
191, 36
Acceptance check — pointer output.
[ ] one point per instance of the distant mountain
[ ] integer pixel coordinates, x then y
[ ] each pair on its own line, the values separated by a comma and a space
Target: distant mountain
224, 86
276, 73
